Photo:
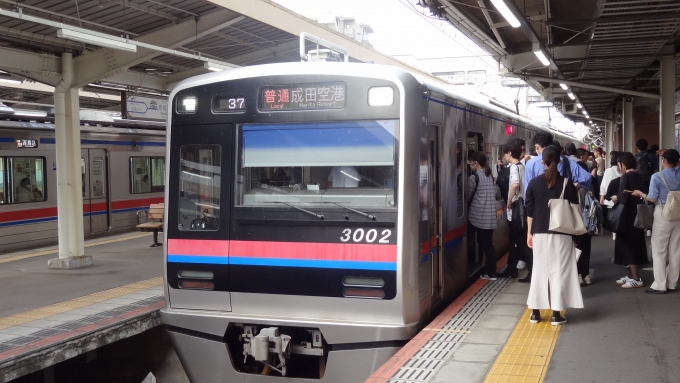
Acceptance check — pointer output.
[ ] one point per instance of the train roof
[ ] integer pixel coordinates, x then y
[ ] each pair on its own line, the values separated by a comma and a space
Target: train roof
359, 70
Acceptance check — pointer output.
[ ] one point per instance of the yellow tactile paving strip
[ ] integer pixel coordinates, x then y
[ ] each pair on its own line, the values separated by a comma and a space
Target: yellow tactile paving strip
62, 307
89, 244
527, 353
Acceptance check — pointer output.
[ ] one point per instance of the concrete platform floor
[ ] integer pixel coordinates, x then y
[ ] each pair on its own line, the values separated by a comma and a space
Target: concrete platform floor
28, 283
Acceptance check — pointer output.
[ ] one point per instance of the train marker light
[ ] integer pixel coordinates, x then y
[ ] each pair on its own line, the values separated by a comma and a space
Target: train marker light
188, 105
506, 12
381, 96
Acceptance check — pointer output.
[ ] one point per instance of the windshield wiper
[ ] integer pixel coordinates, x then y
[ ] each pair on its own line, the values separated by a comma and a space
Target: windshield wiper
369, 216
319, 216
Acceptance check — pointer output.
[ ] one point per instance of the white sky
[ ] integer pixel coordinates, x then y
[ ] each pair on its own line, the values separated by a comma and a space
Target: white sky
407, 31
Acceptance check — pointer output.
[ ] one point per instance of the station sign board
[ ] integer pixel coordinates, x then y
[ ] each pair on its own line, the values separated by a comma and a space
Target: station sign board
147, 108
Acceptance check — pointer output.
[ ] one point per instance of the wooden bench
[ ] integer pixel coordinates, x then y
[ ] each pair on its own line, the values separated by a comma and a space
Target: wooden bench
154, 221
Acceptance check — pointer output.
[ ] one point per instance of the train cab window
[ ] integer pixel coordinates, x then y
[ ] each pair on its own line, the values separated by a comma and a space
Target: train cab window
319, 164
147, 175
27, 179
199, 195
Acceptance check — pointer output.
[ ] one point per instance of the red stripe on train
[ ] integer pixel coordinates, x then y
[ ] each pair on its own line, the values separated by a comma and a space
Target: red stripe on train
314, 250
213, 248
115, 205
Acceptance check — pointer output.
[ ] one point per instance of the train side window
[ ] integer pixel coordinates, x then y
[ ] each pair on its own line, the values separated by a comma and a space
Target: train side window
26, 179
3, 194
147, 175
200, 178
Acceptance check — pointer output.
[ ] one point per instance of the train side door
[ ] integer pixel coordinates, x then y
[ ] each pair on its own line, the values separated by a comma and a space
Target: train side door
95, 190
85, 174
434, 213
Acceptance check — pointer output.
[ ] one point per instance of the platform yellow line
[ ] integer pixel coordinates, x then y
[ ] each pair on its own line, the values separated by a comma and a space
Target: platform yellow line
62, 307
89, 244
526, 355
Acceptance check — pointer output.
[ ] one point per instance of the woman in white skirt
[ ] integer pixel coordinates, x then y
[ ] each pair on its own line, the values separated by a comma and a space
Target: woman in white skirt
554, 281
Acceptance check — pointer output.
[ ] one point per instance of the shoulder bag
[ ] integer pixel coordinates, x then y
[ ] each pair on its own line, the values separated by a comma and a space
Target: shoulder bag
613, 220
565, 217
519, 214
645, 216
671, 210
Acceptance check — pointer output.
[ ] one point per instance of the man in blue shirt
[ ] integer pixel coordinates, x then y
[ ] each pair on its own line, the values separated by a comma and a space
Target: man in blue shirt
665, 233
535, 168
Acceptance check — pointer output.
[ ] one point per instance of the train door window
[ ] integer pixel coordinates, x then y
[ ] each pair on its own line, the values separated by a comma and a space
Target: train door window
82, 175
27, 179
200, 178
98, 180
2, 181
147, 174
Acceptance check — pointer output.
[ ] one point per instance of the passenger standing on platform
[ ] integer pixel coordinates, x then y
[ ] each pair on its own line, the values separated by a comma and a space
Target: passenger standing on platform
665, 233
584, 241
482, 212
554, 283
633, 239
535, 168
599, 171
517, 238
609, 175
645, 161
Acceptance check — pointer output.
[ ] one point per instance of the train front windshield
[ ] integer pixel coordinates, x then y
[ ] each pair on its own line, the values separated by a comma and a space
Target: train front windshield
317, 164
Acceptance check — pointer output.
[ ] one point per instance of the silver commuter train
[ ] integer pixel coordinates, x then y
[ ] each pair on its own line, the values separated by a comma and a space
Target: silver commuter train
316, 219
28, 185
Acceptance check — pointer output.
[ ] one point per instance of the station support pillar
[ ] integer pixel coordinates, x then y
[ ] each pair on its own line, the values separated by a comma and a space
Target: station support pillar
69, 180
628, 143
608, 135
667, 102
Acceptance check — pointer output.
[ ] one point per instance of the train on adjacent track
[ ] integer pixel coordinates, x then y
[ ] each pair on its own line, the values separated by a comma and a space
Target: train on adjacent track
315, 216
123, 171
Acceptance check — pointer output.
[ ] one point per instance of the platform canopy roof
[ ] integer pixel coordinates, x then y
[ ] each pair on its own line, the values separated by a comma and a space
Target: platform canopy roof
174, 39
595, 45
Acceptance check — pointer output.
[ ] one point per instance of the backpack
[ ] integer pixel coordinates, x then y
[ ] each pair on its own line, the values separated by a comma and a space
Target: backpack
593, 217
644, 166
671, 210
503, 182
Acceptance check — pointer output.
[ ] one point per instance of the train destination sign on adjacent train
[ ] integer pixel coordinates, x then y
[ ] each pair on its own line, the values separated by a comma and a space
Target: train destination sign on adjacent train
27, 143
330, 95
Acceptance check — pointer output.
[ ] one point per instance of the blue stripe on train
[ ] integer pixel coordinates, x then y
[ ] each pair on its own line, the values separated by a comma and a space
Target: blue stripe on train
107, 142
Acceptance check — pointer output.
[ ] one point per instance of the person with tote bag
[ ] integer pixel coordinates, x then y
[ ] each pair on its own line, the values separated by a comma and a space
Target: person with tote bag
554, 281
633, 239
665, 232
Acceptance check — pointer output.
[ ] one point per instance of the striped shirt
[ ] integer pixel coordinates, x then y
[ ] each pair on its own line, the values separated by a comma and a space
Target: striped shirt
482, 212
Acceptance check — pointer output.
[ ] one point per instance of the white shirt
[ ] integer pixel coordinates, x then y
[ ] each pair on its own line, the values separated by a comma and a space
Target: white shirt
609, 175
516, 177
344, 177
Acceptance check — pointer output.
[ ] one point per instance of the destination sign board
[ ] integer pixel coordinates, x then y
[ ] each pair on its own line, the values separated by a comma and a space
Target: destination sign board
331, 95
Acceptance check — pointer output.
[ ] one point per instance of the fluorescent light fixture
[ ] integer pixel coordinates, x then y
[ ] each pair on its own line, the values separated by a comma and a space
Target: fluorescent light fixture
540, 55
590, 121
10, 80
578, 105
380, 96
543, 104
571, 96
30, 113
113, 42
584, 112
564, 86
506, 12
216, 67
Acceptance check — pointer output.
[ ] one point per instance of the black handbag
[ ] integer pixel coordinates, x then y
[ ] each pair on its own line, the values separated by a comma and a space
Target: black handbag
614, 219
519, 215
645, 216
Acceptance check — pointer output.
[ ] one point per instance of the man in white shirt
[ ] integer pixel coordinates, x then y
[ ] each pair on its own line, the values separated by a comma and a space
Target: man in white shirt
343, 177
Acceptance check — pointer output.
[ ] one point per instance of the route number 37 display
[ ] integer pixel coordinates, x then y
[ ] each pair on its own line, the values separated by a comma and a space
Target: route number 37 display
370, 236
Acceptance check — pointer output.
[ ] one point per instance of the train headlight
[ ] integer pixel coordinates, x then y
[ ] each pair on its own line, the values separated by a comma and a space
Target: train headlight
380, 96
187, 105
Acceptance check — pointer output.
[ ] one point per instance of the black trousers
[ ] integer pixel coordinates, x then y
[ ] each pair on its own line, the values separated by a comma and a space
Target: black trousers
518, 250
584, 243
485, 241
